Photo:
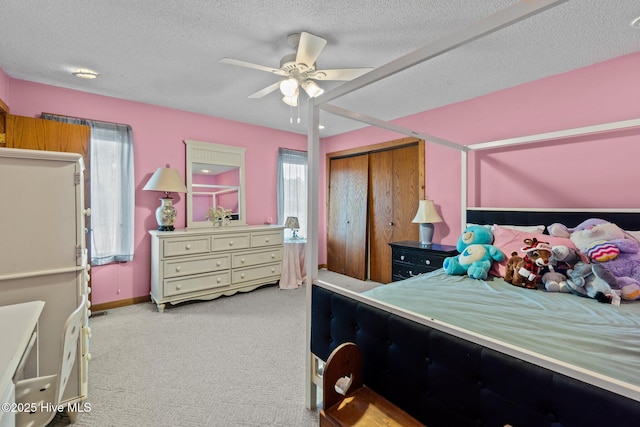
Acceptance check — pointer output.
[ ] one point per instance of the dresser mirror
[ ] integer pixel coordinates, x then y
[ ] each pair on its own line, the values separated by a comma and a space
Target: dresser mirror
215, 178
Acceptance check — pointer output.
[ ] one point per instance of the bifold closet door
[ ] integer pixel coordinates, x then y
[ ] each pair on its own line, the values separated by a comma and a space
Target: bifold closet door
394, 191
347, 219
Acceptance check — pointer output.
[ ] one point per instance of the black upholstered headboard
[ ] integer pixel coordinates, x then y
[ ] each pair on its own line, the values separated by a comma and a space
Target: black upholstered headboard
627, 219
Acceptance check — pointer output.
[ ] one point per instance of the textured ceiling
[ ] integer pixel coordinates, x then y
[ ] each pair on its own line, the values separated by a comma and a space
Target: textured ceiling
167, 52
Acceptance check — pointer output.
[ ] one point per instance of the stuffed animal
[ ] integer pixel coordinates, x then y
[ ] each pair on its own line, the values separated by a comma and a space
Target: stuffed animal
523, 270
476, 253
593, 281
563, 259
607, 244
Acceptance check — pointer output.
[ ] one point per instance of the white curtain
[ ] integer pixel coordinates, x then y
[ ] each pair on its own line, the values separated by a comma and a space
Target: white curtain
112, 189
292, 188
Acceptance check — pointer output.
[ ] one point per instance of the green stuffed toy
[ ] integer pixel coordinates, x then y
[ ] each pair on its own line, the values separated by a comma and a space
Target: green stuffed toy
476, 253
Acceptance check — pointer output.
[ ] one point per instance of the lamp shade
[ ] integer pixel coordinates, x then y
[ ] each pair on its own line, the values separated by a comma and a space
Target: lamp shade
426, 213
167, 180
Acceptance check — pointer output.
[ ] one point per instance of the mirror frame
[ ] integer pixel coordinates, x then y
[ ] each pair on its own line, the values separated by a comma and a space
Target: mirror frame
214, 154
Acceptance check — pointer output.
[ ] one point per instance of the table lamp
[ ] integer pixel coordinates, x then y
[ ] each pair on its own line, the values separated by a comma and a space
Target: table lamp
426, 216
167, 180
293, 224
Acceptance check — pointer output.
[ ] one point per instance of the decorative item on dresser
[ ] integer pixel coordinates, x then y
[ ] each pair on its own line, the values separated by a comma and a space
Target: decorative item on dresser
409, 258
169, 181
203, 264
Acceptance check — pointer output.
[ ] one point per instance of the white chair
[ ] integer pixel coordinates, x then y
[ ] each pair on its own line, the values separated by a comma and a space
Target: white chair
43, 394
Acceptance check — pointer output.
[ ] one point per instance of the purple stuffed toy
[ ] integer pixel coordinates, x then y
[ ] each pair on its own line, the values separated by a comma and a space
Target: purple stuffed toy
608, 245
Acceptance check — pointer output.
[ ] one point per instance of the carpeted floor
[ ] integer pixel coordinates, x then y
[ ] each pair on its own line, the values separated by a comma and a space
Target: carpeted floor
233, 361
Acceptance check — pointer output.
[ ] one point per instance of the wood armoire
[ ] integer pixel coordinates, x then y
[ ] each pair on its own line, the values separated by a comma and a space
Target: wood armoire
373, 196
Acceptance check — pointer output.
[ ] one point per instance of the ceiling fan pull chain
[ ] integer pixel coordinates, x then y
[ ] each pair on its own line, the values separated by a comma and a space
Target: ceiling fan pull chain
298, 112
291, 115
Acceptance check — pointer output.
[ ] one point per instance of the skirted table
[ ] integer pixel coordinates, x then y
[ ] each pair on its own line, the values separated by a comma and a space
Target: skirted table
293, 269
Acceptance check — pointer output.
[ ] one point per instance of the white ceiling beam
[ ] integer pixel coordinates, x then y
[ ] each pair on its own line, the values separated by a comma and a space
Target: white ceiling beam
561, 134
511, 15
389, 126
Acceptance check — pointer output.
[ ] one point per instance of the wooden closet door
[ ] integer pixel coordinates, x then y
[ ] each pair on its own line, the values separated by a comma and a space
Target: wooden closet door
347, 219
394, 189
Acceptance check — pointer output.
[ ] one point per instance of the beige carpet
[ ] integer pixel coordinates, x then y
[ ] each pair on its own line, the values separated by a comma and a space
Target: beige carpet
233, 361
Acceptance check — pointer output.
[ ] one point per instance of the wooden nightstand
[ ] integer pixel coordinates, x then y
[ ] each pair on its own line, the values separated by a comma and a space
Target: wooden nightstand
409, 258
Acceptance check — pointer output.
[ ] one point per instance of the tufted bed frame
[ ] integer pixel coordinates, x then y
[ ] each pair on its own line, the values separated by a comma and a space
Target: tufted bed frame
447, 377
441, 375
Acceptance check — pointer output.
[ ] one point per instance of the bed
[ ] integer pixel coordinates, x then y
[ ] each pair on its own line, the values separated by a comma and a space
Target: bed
443, 371
513, 356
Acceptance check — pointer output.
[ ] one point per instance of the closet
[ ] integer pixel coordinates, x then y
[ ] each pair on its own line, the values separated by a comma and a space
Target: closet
373, 196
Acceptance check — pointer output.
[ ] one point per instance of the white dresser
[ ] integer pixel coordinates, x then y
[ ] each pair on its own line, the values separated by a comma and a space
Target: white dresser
206, 263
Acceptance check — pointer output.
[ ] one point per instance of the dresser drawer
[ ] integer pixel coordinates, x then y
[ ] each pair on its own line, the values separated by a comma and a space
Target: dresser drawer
269, 238
185, 267
187, 246
225, 242
254, 258
189, 284
256, 273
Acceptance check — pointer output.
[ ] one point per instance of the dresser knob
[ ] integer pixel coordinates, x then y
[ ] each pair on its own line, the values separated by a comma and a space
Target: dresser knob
402, 257
231, 243
219, 280
242, 276
273, 270
266, 240
218, 264
242, 260
428, 262
178, 287
273, 256
178, 269
187, 247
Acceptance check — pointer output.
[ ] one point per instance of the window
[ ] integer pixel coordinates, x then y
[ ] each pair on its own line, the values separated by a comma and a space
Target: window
112, 189
292, 188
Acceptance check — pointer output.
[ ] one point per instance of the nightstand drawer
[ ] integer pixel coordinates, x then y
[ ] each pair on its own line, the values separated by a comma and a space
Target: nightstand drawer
409, 259
406, 271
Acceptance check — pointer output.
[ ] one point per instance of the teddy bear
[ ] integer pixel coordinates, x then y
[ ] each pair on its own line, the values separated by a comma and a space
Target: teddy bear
607, 244
524, 270
593, 281
476, 253
563, 259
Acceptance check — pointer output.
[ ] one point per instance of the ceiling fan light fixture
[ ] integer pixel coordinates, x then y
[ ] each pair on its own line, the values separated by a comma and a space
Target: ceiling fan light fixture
84, 73
289, 87
291, 101
312, 88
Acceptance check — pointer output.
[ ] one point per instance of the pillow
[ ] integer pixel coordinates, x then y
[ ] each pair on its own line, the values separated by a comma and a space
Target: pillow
634, 234
527, 228
509, 240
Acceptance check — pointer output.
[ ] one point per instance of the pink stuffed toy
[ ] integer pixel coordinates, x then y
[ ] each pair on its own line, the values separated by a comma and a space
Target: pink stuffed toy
608, 245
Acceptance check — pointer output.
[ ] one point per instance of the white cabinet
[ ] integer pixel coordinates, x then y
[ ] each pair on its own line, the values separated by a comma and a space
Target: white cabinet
42, 250
204, 264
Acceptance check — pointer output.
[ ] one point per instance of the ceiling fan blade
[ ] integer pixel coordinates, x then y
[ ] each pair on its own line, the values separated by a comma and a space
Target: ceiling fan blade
253, 66
344, 74
267, 90
309, 48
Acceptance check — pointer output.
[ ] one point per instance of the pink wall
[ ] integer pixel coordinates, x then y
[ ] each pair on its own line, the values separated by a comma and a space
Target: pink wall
158, 135
591, 172
595, 171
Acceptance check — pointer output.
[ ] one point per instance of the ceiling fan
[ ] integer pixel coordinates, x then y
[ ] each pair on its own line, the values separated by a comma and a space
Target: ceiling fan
299, 69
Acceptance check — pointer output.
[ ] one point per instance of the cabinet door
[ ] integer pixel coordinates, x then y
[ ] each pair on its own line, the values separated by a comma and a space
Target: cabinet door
394, 191
347, 219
